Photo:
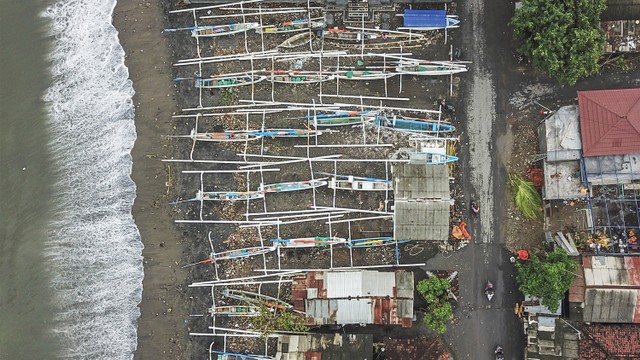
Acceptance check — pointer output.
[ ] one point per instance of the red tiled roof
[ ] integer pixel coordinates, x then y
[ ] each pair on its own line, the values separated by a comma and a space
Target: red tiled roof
610, 121
608, 342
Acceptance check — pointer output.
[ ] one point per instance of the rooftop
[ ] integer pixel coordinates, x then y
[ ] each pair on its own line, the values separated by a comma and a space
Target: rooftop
610, 341
610, 121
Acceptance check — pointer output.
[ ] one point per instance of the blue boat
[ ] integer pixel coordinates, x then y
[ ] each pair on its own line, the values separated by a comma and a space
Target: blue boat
399, 123
373, 242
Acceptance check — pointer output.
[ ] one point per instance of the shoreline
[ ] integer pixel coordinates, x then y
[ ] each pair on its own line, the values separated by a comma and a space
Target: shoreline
161, 331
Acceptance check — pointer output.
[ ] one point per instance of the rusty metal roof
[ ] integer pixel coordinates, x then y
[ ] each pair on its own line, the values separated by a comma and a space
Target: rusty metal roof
612, 289
610, 121
355, 297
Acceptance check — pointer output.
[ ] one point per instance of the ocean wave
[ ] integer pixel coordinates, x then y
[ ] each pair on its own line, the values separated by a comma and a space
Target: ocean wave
93, 243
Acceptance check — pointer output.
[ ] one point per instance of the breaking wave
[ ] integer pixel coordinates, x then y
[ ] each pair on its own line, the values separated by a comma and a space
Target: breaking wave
93, 243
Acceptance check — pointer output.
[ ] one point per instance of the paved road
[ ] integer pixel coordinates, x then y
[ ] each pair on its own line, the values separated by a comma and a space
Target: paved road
482, 325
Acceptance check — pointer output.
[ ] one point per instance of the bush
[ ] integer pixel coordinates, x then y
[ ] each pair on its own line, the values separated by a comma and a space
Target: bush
439, 310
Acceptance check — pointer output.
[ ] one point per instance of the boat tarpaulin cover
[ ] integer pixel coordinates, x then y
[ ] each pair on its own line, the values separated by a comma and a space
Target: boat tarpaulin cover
425, 18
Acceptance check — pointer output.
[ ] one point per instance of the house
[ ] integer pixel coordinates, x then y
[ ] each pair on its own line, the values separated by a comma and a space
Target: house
610, 341
325, 347
607, 290
359, 297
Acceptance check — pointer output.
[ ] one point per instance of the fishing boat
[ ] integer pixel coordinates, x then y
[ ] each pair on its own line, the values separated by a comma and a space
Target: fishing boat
297, 40
238, 310
292, 26
226, 136
228, 195
431, 151
338, 121
412, 125
255, 298
298, 77
430, 69
222, 355
363, 75
348, 35
350, 182
219, 30
291, 186
225, 81
234, 254
288, 133
317, 241
373, 242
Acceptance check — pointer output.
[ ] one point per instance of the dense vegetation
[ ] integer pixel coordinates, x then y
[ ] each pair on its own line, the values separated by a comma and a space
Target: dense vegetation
548, 278
561, 37
439, 310
271, 320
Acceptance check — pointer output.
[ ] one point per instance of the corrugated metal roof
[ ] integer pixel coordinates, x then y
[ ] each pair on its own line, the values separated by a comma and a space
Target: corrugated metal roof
358, 311
414, 181
610, 121
404, 284
360, 283
611, 305
419, 220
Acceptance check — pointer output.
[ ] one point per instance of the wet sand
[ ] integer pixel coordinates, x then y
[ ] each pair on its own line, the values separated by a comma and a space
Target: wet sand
162, 332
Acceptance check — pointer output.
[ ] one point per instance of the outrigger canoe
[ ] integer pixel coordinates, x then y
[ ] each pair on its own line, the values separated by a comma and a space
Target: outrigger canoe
372, 242
238, 310
317, 241
225, 81
348, 35
349, 182
228, 195
292, 26
297, 40
219, 30
364, 75
430, 69
227, 136
291, 186
293, 77
417, 126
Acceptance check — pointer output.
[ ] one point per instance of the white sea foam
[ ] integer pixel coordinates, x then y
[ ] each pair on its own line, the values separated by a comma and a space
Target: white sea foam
94, 245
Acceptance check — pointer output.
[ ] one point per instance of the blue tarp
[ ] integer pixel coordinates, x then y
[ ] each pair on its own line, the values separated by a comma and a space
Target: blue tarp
425, 18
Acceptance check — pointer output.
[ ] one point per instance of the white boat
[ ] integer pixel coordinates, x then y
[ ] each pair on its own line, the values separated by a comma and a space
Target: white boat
226, 81
342, 182
316, 241
292, 26
430, 69
364, 75
297, 40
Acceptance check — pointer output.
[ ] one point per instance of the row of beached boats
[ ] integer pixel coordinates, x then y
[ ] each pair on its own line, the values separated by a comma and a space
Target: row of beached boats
299, 243
365, 73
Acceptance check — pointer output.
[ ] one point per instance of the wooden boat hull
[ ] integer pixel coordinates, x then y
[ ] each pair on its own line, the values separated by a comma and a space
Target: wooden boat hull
228, 81
297, 40
228, 195
232, 311
227, 136
220, 30
291, 27
373, 242
348, 36
242, 253
291, 186
301, 78
415, 126
289, 133
359, 185
364, 75
318, 241
429, 70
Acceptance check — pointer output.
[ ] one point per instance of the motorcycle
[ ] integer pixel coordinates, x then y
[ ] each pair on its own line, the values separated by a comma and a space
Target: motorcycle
475, 208
488, 290
499, 353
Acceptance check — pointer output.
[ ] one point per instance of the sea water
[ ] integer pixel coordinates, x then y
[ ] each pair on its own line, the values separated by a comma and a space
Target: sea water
70, 252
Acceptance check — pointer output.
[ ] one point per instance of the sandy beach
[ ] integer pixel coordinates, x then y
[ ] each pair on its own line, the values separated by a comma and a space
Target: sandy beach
162, 332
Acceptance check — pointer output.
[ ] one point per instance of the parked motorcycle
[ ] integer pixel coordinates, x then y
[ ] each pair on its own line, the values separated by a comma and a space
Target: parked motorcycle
499, 353
475, 208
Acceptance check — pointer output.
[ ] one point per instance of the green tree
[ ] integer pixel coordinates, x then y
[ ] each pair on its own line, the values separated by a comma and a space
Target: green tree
271, 320
561, 37
439, 310
548, 279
